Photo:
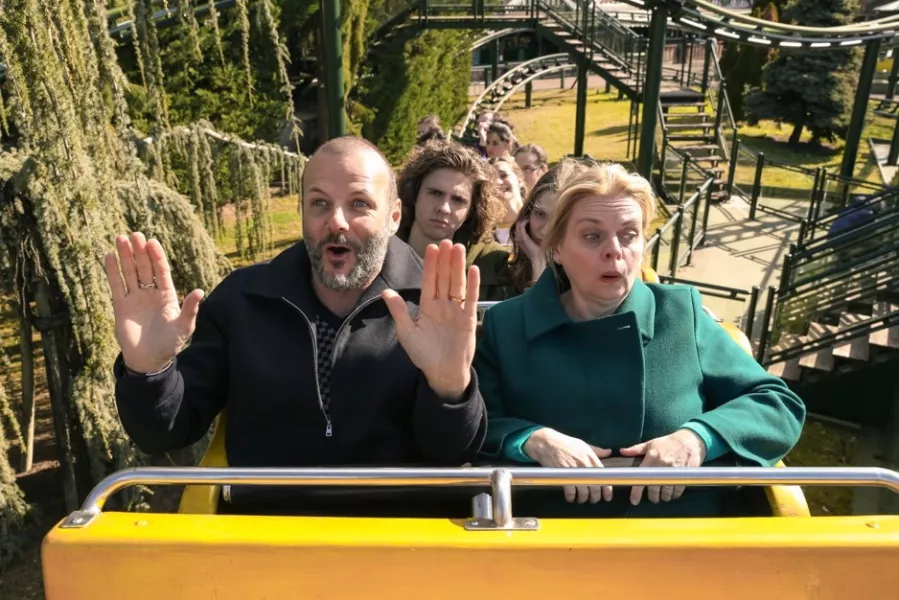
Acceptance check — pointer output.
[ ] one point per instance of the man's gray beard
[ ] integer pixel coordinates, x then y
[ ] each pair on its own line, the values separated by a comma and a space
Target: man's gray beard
369, 260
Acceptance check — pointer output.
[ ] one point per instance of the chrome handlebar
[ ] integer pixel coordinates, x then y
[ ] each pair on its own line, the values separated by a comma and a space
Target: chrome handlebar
500, 480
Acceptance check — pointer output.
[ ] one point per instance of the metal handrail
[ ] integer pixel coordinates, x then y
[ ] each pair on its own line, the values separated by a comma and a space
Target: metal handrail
499, 479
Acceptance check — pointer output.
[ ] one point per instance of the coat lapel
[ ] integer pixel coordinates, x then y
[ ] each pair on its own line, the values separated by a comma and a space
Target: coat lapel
610, 351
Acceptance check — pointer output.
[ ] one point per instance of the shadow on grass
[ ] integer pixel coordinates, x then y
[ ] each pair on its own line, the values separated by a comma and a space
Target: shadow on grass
613, 130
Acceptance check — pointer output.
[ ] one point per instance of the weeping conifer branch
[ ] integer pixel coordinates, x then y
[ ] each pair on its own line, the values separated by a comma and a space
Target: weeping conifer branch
4, 124
145, 32
282, 55
189, 20
243, 15
214, 19
136, 41
246, 184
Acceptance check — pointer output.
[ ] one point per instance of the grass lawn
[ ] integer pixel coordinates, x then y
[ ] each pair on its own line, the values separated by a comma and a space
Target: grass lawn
767, 137
550, 123
552, 126
286, 228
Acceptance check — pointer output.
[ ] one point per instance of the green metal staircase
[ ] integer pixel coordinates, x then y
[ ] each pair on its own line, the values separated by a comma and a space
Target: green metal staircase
698, 127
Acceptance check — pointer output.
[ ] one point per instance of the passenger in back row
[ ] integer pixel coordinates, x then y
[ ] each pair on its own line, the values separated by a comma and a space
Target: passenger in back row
449, 193
512, 191
296, 349
591, 362
528, 261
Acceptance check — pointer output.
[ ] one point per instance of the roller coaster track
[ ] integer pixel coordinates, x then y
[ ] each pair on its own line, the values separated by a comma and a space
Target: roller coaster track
715, 21
509, 83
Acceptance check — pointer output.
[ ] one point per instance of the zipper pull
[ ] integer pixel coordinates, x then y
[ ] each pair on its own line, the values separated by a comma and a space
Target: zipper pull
329, 431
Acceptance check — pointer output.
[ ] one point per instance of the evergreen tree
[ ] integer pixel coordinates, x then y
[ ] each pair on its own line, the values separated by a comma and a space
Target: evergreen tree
427, 74
741, 64
810, 89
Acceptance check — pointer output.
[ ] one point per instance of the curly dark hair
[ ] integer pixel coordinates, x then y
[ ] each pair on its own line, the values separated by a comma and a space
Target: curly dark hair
435, 133
486, 206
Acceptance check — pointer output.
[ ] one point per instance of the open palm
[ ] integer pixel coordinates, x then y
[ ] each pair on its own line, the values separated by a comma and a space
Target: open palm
151, 327
440, 341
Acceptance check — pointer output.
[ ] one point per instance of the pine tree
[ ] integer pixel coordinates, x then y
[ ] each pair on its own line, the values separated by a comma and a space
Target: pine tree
810, 89
742, 64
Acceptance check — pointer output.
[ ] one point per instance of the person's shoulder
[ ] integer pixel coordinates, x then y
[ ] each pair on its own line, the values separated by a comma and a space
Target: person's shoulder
673, 292
674, 299
490, 257
508, 312
250, 276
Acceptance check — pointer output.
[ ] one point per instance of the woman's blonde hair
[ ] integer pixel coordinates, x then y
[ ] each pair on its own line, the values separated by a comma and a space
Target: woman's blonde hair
605, 180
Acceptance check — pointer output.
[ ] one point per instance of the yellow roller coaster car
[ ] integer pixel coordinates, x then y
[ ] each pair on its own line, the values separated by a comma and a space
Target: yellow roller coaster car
493, 553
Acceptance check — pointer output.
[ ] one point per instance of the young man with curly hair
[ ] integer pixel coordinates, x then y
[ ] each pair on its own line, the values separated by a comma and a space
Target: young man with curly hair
448, 192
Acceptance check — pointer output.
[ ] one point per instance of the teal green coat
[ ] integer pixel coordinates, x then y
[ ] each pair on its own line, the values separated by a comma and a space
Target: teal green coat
657, 363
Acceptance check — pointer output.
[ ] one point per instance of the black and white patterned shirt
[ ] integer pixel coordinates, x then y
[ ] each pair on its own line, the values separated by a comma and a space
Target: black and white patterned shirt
325, 336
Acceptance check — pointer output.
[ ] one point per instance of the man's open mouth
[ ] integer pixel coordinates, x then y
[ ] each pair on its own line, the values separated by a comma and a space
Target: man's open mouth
337, 251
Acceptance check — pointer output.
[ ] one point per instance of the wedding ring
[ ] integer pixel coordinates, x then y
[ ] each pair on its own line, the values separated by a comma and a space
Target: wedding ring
455, 299
147, 286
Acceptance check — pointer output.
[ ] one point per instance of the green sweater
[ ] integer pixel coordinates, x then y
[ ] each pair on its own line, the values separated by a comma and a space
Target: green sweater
656, 365
492, 260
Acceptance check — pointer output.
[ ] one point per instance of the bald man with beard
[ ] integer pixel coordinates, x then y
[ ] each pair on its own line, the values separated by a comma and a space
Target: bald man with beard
344, 350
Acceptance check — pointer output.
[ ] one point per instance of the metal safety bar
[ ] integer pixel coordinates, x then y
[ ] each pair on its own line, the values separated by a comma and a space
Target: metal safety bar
500, 481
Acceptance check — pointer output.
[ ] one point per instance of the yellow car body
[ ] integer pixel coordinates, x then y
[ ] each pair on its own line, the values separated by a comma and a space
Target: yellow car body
197, 553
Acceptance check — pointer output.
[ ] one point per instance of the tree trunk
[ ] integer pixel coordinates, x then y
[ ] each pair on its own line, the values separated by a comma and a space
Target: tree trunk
797, 132
26, 346
322, 116
56, 383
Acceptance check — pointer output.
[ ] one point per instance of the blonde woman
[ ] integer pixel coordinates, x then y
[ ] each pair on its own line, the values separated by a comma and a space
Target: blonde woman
591, 362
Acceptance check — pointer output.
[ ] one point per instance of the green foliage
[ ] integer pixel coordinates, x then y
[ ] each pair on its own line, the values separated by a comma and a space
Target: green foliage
13, 508
221, 84
428, 74
75, 181
812, 89
741, 64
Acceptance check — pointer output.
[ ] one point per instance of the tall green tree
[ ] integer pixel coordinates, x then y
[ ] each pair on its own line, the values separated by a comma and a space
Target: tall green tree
810, 89
415, 77
742, 64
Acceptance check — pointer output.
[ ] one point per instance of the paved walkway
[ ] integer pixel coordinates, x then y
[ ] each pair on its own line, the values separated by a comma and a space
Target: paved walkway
740, 253
881, 151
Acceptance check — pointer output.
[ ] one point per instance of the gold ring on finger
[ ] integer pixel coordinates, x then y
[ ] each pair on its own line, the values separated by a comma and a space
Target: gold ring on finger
147, 286
455, 298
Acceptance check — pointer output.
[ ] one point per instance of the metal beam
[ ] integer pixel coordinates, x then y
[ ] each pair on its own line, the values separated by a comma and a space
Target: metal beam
333, 69
893, 157
651, 90
580, 118
894, 75
860, 108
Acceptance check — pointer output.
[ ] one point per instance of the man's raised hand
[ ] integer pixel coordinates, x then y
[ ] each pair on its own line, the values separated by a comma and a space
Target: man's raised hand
441, 340
151, 327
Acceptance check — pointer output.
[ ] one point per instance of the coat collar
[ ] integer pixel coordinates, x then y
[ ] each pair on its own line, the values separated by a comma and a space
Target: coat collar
289, 275
543, 310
